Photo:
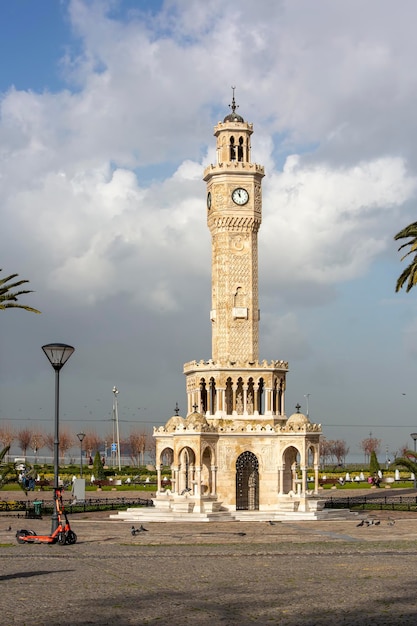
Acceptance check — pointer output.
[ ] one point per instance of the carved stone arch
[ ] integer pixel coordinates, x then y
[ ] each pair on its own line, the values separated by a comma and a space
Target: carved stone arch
232, 148
250, 396
229, 396
186, 469
212, 396
240, 405
247, 482
291, 457
240, 149
166, 456
203, 396
207, 463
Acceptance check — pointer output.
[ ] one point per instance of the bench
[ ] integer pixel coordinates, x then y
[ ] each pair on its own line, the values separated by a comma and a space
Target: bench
329, 481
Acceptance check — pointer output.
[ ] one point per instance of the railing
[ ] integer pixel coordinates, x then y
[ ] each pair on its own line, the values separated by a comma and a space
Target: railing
389, 503
92, 504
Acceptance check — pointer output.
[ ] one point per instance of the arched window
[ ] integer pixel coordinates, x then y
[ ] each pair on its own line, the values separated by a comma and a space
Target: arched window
240, 149
232, 149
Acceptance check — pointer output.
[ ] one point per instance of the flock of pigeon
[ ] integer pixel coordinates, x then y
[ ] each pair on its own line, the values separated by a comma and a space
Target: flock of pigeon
375, 522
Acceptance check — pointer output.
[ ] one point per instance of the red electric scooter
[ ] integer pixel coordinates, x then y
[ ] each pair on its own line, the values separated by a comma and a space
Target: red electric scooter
62, 534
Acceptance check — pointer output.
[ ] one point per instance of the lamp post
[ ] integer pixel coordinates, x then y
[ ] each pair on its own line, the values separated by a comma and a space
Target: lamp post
57, 354
81, 437
116, 423
414, 437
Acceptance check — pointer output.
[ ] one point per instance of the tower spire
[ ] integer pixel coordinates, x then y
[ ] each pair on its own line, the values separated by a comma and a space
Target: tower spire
233, 106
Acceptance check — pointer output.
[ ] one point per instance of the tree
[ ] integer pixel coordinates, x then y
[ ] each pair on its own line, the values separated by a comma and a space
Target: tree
98, 469
7, 435
409, 275
9, 298
66, 441
374, 466
91, 442
408, 460
7, 470
369, 445
137, 442
340, 450
24, 437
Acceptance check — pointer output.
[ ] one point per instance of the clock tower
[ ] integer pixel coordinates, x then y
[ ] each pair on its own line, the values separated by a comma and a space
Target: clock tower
234, 215
235, 451
233, 384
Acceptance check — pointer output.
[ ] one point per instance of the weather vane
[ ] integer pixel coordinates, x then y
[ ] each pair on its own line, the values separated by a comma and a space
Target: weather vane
233, 106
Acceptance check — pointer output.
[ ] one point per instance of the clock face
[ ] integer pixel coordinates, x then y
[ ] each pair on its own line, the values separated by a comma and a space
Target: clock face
240, 196
209, 200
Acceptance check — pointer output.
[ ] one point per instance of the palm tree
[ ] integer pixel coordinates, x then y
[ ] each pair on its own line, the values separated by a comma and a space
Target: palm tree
7, 470
8, 299
409, 461
410, 272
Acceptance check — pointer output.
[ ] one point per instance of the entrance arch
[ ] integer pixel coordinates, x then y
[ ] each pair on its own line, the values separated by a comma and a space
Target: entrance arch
247, 482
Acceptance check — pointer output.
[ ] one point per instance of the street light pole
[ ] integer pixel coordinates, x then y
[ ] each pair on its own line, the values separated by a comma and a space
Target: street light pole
81, 437
116, 419
414, 437
57, 354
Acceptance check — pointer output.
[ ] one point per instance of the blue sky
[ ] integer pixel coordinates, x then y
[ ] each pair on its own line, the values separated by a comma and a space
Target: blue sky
106, 118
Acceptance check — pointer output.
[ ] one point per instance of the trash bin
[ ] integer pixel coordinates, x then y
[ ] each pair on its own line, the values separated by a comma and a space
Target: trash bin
37, 508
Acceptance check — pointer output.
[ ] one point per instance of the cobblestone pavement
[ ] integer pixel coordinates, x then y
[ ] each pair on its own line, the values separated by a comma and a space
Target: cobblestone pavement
230, 573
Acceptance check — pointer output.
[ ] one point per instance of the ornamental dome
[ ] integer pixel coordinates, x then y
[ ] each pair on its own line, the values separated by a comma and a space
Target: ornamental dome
173, 422
233, 117
298, 419
197, 421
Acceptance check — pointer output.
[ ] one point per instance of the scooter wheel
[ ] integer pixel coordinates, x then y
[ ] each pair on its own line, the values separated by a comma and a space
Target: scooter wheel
71, 537
20, 534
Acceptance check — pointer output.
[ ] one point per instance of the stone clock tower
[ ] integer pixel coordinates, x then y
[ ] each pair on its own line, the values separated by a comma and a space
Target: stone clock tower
234, 215
236, 450
233, 383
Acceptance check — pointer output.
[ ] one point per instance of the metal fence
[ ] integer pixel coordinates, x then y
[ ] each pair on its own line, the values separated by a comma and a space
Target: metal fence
387, 503
31, 509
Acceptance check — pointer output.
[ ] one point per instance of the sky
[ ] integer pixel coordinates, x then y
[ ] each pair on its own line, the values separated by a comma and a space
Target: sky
107, 112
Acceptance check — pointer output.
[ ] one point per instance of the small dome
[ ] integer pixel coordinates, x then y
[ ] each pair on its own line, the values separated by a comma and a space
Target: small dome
173, 422
197, 420
233, 117
298, 418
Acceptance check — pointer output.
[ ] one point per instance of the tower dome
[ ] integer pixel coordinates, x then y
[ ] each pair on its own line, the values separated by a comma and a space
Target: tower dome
197, 421
174, 422
233, 116
298, 419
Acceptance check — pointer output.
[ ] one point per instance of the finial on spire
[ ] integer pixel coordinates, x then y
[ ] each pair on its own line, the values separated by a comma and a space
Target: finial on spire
177, 409
233, 106
298, 407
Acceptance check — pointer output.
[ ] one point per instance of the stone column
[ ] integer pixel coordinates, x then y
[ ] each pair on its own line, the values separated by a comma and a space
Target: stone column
316, 480
213, 470
158, 479
304, 479
280, 480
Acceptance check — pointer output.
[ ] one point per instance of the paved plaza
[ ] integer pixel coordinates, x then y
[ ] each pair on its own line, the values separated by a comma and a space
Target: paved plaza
233, 573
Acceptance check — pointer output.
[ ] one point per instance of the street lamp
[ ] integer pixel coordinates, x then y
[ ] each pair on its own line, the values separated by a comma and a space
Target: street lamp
57, 354
414, 437
81, 437
116, 423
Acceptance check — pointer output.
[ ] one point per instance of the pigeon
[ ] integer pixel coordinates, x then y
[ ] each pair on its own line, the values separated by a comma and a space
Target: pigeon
361, 523
271, 523
134, 531
391, 521
377, 522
